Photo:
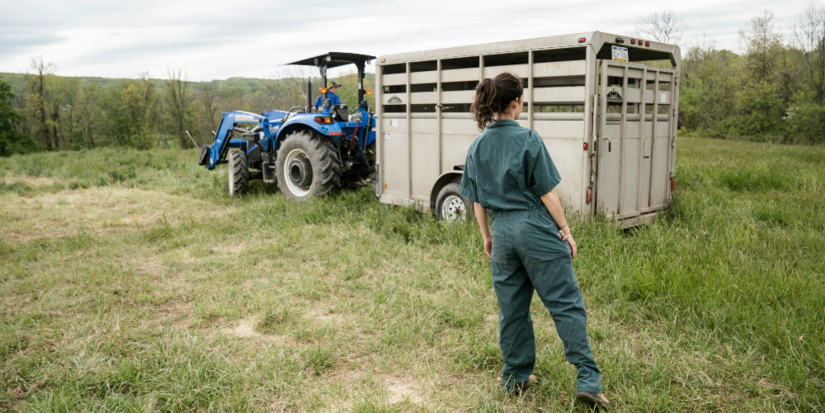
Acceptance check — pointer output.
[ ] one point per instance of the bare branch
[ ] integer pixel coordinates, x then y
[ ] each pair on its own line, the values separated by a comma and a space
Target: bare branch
761, 42
809, 35
665, 26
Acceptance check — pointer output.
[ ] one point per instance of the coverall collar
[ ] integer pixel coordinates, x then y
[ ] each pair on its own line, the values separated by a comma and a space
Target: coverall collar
502, 122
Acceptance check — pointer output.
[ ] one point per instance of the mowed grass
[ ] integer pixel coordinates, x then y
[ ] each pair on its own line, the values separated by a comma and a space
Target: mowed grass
131, 282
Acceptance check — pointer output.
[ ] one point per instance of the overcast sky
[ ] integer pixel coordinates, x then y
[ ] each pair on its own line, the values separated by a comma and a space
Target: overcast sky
220, 39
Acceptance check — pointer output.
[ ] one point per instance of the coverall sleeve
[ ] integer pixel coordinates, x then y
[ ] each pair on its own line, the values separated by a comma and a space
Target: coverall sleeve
542, 175
468, 186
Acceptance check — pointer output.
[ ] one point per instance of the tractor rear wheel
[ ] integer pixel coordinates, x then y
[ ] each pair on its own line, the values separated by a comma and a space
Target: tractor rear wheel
450, 205
238, 173
308, 166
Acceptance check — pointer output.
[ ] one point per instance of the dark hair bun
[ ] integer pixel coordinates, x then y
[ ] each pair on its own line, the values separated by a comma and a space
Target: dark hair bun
493, 96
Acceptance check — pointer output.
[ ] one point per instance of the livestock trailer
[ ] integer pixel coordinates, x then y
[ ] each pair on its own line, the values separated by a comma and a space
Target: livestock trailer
605, 106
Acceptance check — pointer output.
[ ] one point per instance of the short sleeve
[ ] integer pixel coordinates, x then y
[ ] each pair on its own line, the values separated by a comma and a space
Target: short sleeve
542, 175
468, 185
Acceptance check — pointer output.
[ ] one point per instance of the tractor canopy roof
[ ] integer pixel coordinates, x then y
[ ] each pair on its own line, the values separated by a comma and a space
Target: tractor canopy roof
334, 59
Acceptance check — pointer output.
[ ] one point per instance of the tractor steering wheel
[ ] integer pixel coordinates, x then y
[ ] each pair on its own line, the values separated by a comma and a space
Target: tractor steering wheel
290, 112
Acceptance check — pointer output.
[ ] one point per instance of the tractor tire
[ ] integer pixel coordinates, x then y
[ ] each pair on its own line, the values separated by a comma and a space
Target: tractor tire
308, 166
450, 205
238, 173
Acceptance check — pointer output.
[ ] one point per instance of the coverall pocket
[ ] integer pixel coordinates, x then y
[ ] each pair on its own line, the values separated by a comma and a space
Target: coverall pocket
542, 244
499, 248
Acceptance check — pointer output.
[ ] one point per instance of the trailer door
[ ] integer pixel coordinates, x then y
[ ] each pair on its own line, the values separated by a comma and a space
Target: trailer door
634, 140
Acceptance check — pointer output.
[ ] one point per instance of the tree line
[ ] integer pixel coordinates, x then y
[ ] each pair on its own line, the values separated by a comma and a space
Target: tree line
773, 89
43, 111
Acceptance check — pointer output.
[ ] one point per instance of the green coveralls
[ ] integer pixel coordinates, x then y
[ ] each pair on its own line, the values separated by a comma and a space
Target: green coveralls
507, 170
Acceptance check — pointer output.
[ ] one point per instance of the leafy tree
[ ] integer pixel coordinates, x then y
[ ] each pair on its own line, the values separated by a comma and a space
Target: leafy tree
128, 111
349, 89
707, 98
806, 121
760, 110
762, 45
11, 141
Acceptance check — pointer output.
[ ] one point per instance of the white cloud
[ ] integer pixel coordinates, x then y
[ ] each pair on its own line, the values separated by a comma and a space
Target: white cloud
218, 39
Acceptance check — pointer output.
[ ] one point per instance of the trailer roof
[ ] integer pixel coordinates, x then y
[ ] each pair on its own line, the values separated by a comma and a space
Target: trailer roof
334, 59
594, 39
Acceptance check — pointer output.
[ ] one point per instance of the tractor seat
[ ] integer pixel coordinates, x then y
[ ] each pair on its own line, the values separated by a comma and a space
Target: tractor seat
339, 112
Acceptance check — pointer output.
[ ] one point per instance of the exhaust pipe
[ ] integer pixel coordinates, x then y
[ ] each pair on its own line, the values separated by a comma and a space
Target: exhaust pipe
309, 94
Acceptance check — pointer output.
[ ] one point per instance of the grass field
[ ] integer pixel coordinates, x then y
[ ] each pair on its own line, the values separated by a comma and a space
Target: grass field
131, 282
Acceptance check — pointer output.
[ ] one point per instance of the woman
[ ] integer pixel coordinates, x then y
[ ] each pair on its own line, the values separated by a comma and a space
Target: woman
509, 171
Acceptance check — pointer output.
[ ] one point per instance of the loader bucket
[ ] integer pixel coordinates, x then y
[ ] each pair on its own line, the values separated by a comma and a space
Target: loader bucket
203, 159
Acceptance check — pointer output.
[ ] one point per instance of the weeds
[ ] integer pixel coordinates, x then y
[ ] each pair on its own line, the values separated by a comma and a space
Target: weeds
132, 282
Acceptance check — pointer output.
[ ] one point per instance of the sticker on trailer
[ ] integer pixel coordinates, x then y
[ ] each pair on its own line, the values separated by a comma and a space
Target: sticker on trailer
620, 54
393, 122
663, 98
386, 136
394, 99
614, 96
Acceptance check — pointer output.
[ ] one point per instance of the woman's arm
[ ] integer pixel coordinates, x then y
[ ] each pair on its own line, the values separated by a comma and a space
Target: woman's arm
553, 205
481, 217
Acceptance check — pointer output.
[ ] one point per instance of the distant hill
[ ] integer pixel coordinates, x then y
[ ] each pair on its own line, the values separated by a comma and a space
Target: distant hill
243, 84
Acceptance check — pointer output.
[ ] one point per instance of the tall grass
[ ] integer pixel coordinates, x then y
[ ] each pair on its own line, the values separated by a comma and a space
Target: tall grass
717, 305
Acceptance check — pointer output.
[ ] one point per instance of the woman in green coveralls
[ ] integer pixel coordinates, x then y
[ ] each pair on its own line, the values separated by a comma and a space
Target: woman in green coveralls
509, 171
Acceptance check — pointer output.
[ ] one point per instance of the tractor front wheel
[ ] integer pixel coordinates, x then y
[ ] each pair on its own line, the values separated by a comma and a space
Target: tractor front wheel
238, 173
308, 166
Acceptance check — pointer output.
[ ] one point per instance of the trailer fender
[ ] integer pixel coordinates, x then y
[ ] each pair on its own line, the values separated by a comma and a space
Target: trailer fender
441, 182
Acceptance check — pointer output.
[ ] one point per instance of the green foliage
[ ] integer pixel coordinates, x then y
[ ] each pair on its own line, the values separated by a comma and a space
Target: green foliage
760, 110
771, 92
349, 89
806, 123
142, 113
128, 109
11, 141
707, 97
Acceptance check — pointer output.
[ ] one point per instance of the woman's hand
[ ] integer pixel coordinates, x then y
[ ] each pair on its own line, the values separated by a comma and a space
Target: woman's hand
573, 250
488, 247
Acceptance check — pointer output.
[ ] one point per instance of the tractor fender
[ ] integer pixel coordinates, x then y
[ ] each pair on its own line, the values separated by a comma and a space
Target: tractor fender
307, 122
441, 182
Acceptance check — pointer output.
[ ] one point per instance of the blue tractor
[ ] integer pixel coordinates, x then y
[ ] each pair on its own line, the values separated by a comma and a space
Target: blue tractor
308, 153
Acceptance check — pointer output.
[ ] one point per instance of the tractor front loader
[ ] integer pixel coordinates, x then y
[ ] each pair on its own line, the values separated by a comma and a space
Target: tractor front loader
308, 154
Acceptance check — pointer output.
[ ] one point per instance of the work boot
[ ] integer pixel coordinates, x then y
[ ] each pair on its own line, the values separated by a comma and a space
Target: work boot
518, 388
593, 399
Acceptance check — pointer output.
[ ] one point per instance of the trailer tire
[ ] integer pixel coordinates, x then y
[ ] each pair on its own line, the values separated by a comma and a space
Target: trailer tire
450, 205
308, 166
238, 173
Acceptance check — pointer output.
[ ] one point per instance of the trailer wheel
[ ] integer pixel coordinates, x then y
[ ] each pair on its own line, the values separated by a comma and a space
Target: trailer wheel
308, 166
238, 173
450, 205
